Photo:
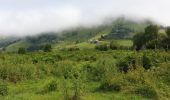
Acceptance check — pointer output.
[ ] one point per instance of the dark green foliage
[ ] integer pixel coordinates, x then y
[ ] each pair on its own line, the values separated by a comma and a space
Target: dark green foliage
127, 63
110, 87
87, 58
151, 32
47, 48
114, 45
149, 38
102, 47
138, 41
148, 92
3, 89
168, 32
147, 63
73, 48
92, 72
43, 38
21, 51
123, 66
154, 44
50, 86
57, 57
36, 43
152, 39
35, 47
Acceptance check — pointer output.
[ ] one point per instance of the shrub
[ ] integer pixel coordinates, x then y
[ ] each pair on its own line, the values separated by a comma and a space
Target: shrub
3, 89
73, 48
114, 45
110, 87
147, 63
47, 48
147, 92
93, 73
152, 44
123, 66
21, 51
57, 57
127, 63
102, 47
87, 58
50, 86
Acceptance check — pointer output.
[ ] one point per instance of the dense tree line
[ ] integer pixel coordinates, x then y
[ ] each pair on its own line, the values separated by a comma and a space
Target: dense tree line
152, 38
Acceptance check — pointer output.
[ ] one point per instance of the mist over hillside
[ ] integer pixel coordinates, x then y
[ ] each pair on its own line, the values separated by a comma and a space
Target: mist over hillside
84, 50
119, 28
32, 17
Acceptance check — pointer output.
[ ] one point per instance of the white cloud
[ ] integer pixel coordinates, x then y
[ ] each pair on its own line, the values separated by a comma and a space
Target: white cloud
32, 22
27, 17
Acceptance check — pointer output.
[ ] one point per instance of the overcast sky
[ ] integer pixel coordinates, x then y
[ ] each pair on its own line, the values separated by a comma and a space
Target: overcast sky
27, 17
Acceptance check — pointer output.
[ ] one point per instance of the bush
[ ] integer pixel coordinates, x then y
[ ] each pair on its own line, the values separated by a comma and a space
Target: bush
57, 57
127, 63
114, 45
47, 48
87, 58
123, 66
50, 86
147, 92
102, 47
152, 44
3, 90
93, 73
147, 63
21, 51
73, 48
110, 87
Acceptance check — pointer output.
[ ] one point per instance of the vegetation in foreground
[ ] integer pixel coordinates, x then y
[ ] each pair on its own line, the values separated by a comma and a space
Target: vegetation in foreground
100, 70
86, 75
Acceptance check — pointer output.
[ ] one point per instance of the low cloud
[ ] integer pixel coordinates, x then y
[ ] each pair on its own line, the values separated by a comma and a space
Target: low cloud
36, 16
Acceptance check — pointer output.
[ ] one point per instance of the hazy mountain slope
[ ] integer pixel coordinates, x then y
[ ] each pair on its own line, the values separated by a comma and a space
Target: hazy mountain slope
117, 29
5, 41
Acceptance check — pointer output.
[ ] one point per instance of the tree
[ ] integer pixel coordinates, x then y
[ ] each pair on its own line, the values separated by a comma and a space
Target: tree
151, 32
21, 51
149, 37
168, 32
47, 48
138, 41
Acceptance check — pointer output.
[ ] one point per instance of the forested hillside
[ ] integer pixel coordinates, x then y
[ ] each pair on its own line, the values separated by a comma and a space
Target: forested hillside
120, 28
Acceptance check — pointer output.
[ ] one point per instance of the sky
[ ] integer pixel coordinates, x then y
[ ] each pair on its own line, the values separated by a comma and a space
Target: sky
29, 17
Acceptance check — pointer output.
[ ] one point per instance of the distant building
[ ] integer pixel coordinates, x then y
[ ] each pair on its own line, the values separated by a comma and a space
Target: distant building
94, 41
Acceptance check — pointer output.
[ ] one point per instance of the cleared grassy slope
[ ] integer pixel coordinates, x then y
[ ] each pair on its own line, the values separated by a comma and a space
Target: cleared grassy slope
14, 47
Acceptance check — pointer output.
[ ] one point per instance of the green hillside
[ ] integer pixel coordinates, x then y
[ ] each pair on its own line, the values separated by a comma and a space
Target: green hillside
88, 64
118, 29
14, 47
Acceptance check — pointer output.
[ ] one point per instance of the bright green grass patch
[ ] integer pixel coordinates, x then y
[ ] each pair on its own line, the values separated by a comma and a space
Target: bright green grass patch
85, 45
127, 43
